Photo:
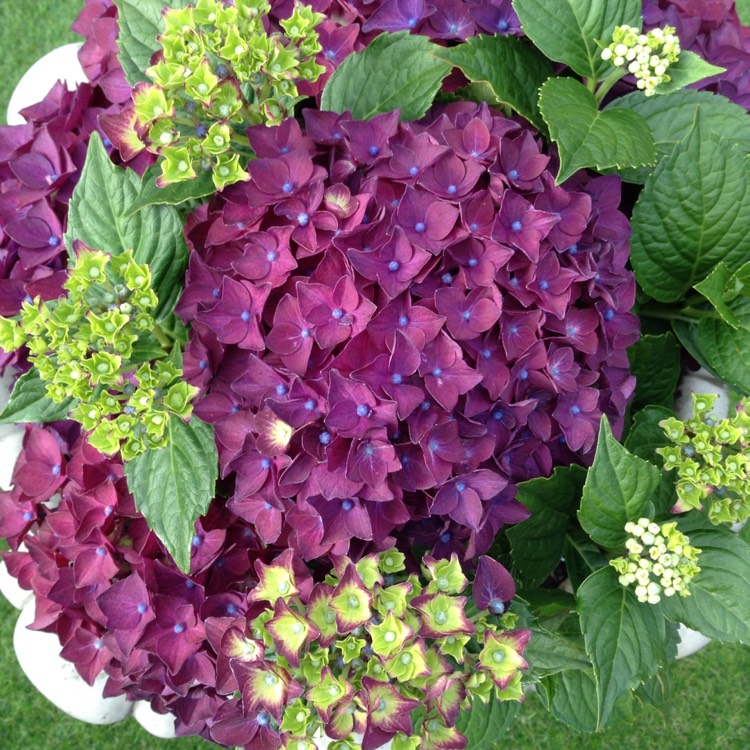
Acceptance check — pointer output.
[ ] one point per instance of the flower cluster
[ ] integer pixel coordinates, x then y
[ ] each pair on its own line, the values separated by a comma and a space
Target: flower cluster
710, 456
394, 323
368, 651
91, 346
711, 29
219, 71
660, 561
646, 56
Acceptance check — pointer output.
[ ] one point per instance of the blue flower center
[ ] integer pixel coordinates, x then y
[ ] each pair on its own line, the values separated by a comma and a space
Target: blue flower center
305, 333
303, 219
403, 321
498, 414
203, 364
573, 249
100, 551
452, 189
98, 645
544, 285
413, 171
325, 438
503, 25
266, 463
287, 187
575, 409
516, 226
309, 405
486, 353
231, 609
447, 278
466, 315
245, 316
396, 378
523, 374
460, 486
497, 607
425, 406
337, 314
609, 314
513, 174
28, 516
142, 608
54, 241
412, 22
197, 541
473, 262
56, 470
347, 505
394, 265
179, 628
363, 410
373, 150
330, 54
445, 537
271, 257
281, 389
419, 227
437, 372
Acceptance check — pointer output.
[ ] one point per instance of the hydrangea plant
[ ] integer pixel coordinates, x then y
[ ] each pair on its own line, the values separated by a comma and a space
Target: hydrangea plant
412, 335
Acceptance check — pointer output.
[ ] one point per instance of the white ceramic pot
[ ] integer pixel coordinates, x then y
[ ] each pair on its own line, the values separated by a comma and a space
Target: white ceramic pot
57, 679
59, 65
159, 725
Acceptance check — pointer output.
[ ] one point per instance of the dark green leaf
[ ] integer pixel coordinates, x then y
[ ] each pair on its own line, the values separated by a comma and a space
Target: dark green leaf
672, 117
727, 350
582, 557
587, 137
624, 638
547, 653
687, 333
567, 30
150, 194
538, 542
98, 216
512, 68
646, 436
394, 71
693, 213
29, 402
618, 489
655, 362
140, 22
688, 69
174, 486
146, 348
743, 11
719, 601
484, 724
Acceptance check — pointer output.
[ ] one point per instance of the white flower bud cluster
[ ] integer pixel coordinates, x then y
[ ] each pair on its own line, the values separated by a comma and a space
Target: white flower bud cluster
646, 56
660, 561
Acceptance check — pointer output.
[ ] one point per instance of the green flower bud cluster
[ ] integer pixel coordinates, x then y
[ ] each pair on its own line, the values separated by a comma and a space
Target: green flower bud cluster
221, 71
712, 460
660, 561
646, 56
85, 346
374, 649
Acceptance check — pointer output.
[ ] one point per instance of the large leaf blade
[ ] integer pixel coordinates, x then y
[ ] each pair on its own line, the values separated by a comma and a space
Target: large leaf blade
395, 71
512, 68
626, 640
174, 486
693, 213
588, 137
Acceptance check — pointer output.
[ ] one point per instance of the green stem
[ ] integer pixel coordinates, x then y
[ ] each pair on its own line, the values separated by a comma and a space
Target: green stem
591, 84
162, 337
685, 314
607, 83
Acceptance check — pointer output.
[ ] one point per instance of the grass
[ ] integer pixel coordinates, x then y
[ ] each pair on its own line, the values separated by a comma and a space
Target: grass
711, 690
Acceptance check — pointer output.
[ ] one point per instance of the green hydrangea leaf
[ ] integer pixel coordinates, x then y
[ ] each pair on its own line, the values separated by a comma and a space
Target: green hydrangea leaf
29, 402
587, 137
395, 71
512, 68
655, 362
719, 601
150, 194
726, 349
485, 723
618, 489
693, 213
174, 486
99, 215
690, 68
646, 436
537, 543
671, 118
714, 288
549, 653
140, 22
625, 639
574, 699
567, 30
743, 11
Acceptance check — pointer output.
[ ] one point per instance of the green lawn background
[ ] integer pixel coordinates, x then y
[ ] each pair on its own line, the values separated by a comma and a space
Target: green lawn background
711, 690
